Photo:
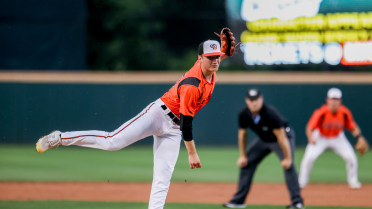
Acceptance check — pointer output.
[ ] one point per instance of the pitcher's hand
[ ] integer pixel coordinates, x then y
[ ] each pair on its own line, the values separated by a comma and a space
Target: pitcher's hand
194, 161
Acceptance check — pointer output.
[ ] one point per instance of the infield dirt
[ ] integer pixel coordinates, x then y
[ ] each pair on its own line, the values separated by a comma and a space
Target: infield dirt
269, 194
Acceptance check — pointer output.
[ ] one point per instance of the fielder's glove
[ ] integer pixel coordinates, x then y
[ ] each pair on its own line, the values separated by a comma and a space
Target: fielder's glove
227, 41
362, 146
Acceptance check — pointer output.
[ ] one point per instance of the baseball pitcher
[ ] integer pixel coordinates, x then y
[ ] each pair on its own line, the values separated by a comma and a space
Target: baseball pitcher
167, 119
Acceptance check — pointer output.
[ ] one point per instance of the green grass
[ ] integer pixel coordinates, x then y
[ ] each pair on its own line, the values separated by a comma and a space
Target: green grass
121, 205
134, 164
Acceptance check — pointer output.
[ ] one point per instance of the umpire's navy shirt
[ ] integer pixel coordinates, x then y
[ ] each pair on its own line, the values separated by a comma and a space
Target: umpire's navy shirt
267, 120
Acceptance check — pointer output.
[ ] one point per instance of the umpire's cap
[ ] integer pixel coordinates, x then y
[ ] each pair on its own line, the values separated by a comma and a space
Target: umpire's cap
253, 93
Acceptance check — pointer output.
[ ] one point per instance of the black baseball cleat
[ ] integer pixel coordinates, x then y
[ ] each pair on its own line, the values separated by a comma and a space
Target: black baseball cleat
296, 206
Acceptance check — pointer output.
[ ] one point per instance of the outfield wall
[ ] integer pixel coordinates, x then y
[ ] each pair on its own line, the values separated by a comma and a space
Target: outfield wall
31, 109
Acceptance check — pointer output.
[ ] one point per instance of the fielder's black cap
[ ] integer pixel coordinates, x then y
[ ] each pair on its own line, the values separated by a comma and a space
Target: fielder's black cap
253, 93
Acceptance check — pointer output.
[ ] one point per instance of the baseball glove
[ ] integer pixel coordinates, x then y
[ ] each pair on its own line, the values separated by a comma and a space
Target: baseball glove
227, 41
361, 146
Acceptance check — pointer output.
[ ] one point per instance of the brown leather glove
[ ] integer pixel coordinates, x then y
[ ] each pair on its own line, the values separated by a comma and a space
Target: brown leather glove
227, 41
362, 146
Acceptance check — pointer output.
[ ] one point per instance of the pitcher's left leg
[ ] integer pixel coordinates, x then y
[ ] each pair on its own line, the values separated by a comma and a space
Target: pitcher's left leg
139, 127
166, 151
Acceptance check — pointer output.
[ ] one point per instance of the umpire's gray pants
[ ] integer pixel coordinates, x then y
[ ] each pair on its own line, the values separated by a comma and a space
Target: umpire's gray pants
256, 153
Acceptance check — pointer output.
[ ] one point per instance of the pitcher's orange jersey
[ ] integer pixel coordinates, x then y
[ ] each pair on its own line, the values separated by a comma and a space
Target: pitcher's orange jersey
190, 93
329, 124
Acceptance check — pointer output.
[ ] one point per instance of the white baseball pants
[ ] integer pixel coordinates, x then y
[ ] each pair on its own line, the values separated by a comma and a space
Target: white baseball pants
340, 145
151, 121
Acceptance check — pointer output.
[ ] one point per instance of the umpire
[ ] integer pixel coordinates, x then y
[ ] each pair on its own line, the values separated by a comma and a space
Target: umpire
274, 135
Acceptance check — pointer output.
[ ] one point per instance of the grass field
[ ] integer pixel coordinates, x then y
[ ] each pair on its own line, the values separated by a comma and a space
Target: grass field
134, 164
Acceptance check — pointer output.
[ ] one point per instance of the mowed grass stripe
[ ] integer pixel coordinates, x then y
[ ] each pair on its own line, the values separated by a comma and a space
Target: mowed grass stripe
135, 164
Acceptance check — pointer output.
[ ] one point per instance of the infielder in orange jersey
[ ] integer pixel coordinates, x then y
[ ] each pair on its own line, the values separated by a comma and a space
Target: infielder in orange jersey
167, 119
325, 130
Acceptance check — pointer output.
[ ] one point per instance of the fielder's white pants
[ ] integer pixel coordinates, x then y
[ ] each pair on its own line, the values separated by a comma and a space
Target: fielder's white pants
151, 121
340, 145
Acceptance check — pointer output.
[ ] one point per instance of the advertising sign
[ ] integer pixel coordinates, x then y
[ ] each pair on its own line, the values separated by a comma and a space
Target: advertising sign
336, 32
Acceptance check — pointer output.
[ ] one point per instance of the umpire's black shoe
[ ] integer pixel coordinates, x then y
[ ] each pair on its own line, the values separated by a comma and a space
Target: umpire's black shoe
296, 206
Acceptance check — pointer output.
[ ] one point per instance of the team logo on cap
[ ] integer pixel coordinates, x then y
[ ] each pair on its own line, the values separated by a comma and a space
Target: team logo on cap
253, 92
213, 46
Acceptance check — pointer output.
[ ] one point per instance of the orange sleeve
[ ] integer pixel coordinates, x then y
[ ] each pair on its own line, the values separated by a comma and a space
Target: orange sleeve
314, 119
349, 120
189, 96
